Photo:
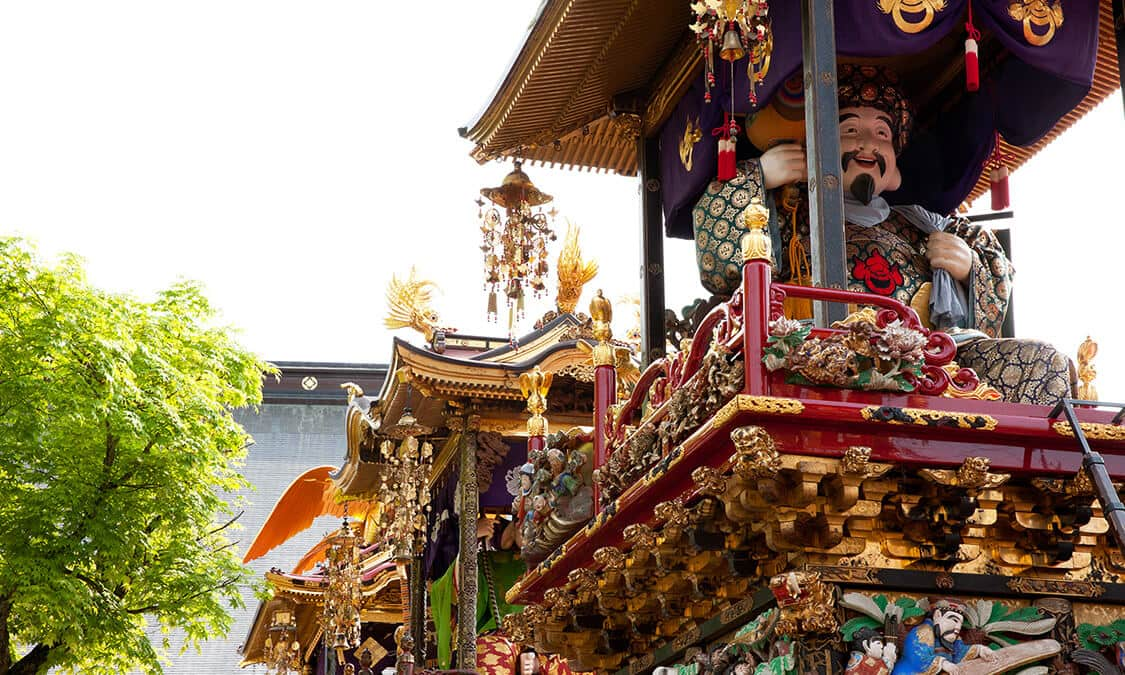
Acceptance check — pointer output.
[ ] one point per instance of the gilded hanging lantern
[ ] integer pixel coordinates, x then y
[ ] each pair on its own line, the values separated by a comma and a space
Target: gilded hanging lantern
515, 233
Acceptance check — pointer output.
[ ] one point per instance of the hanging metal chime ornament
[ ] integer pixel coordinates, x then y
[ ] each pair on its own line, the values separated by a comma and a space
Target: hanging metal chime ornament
738, 28
732, 50
405, 485
514, 243
340, 618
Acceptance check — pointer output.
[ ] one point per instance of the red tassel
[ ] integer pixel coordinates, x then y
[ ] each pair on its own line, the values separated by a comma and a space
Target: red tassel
998, 187
727, 163
728, 141
972, 63
972, 66
998, 177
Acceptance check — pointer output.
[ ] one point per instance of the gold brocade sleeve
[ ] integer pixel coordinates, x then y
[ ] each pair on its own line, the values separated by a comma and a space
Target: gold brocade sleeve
990, 280
718, 227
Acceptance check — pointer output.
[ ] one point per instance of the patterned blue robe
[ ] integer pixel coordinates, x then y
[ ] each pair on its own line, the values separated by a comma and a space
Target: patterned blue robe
922, 652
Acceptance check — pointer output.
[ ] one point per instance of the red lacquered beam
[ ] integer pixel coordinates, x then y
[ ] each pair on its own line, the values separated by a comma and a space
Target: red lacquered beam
906, 313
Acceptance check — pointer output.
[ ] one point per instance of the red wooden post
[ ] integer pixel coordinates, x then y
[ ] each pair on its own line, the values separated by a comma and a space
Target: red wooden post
536, 443
756, 277
605, 383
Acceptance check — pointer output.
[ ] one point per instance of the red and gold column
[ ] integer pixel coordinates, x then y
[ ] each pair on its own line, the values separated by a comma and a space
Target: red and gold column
534, 386
757, 270
605, 382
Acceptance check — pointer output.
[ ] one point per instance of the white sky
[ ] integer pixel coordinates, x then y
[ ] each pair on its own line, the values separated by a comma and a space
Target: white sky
292, 155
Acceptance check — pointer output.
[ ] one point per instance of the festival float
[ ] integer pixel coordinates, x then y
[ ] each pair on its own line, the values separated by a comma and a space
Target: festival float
840, 462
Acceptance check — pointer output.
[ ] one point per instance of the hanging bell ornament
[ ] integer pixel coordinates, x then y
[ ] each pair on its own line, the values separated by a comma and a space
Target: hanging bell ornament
732, 46
492, 306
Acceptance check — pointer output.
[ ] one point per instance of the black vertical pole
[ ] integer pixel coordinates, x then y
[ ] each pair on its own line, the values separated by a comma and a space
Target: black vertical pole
467, 548
652, 251
822, 130
1119, 34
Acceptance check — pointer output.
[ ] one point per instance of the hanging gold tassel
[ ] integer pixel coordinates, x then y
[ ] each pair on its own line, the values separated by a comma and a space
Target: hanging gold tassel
800, 269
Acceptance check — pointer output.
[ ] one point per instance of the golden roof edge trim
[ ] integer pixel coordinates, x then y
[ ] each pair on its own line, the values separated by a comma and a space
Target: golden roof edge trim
549, 21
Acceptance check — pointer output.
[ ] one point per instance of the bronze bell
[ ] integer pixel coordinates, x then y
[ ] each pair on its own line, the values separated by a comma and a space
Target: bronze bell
732, 46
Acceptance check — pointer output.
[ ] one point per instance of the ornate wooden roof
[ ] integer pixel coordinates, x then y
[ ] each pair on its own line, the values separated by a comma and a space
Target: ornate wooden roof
554, 104
593, 75
379, 587
425, 380
428, 382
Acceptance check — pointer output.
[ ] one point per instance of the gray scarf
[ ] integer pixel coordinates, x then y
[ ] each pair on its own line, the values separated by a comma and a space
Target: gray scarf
948, 299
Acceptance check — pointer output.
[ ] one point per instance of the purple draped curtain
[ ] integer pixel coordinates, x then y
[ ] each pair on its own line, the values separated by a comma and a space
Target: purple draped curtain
1022, 96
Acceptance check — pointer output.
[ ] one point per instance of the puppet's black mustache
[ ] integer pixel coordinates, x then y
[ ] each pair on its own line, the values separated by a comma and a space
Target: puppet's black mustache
847, 157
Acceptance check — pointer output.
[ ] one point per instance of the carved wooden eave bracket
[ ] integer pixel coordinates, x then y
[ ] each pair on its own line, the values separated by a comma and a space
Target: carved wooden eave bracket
761, 514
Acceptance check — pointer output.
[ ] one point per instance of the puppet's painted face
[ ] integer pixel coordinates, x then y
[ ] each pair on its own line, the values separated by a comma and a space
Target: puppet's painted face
948, 626
867, 149
529, 663
873, 648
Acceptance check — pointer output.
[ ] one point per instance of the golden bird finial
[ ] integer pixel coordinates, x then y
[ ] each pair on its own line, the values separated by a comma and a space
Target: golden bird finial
534, 386
408, 305
573, 271
1086, 372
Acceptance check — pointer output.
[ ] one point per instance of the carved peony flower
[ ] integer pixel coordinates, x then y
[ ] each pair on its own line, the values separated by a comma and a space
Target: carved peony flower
899, 342
784, 326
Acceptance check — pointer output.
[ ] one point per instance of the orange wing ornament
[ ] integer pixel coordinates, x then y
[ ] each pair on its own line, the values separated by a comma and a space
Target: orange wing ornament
309, 496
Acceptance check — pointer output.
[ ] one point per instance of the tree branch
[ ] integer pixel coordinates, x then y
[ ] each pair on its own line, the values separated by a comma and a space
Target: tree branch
223, 526
32, 662
110, 448
157, 605
5, 640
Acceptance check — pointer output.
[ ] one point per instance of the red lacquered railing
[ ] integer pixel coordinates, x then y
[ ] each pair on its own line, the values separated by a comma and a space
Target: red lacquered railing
939, 350
742, 324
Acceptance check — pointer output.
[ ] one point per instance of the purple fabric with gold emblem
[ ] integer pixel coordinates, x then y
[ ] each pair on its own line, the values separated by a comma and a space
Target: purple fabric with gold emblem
1024, 91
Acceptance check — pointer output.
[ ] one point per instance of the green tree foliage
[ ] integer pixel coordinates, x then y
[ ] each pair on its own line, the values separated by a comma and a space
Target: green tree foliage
116, 446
